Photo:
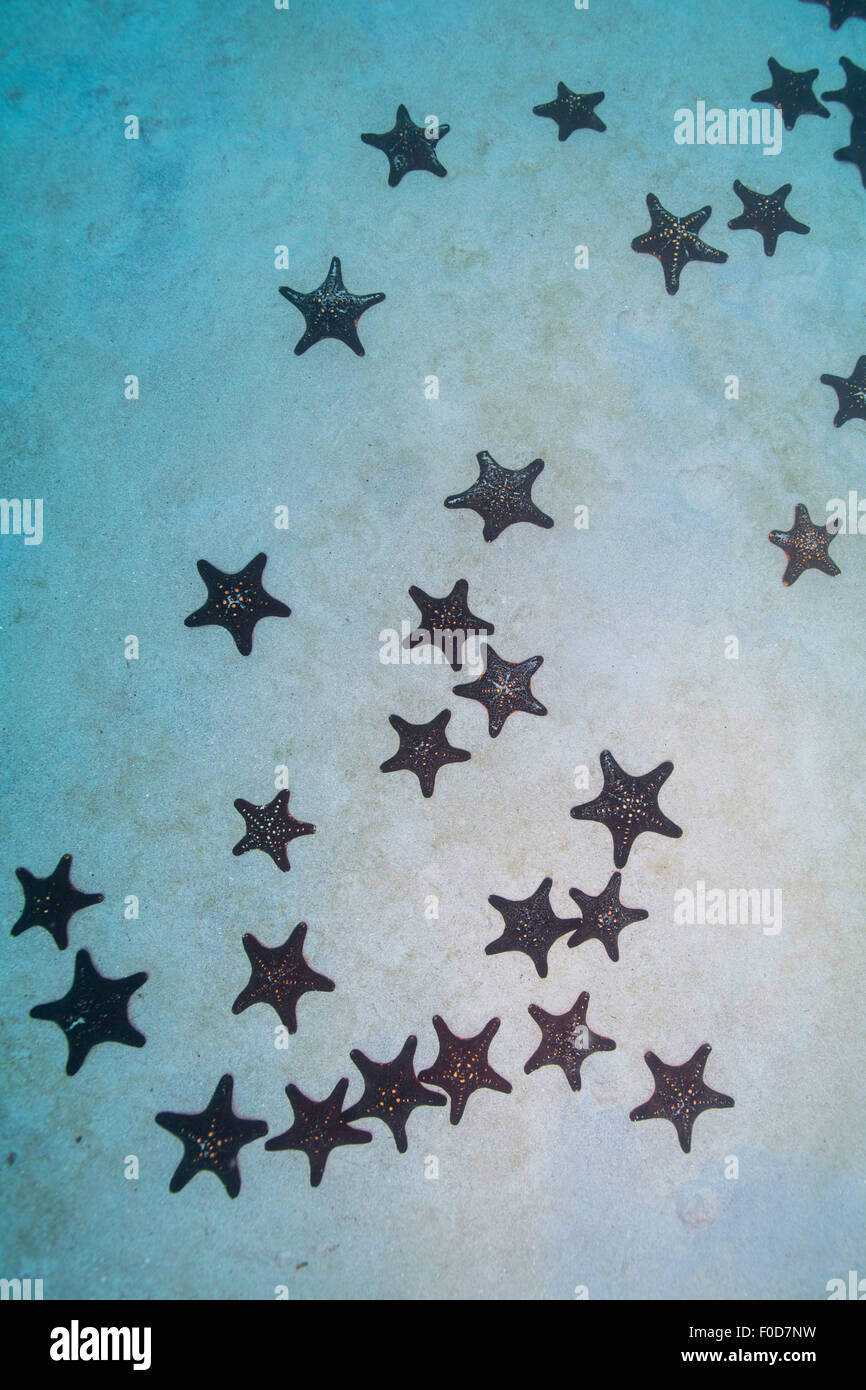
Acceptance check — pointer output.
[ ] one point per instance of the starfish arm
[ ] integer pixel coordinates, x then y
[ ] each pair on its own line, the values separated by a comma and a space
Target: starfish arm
708, 1099
249, 995
665, 826
296, 297
700, 251
491, 1028
693, 221
333, 282
826, 566
652, 1109
494, 1082
793, 571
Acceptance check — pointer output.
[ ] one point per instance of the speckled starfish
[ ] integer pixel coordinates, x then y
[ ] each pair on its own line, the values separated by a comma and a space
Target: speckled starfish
674, 241
680, 1094
271, 828
331, 311
628, 806
319, 1126
850, 393
409, 147
603, 918
504, 689
280, 975
840, 10
446, 622
853, 94
566, 1040
236, 602
531, 926
391, 1092
806, 547
212, 1139
792, 93
462, 1066
50, 902
765, 213
572, 111
94, 1010
424, 749
502, 496
855, 152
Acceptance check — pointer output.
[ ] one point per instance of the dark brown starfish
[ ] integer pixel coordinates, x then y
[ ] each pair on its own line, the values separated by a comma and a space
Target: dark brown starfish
462, 1066
680, 1094
391, 1092
319, 1126
603, 918
50, 902
504, 689
446, 622
271, 828
566, 1040
531, 926
806, 547
94, 1010
424, 749
237, 602
212, 1139
628, 806
280, 975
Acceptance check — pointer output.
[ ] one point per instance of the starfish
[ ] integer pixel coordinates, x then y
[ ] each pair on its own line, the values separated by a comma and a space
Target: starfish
331, 311
628, 806
391, 1092
424, 749
765, 213
280, 975
446, 622
680, 1094
504, 689
212, 1139
462, 1066
271, 828
50, 902
850, 392
319, 1126
792, 93
502, 496
566, 1040
603, 918
853, 94
855, 153
674, 241
93, 1011
805, 546
840, 10
572, 111
531, 926
408, 147
236, 602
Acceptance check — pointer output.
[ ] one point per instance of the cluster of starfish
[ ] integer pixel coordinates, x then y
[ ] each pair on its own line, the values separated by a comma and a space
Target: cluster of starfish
213, 1137
95, 1008
504, 687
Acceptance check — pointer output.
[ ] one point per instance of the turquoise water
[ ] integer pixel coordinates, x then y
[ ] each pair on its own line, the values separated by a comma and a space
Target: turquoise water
155, 258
